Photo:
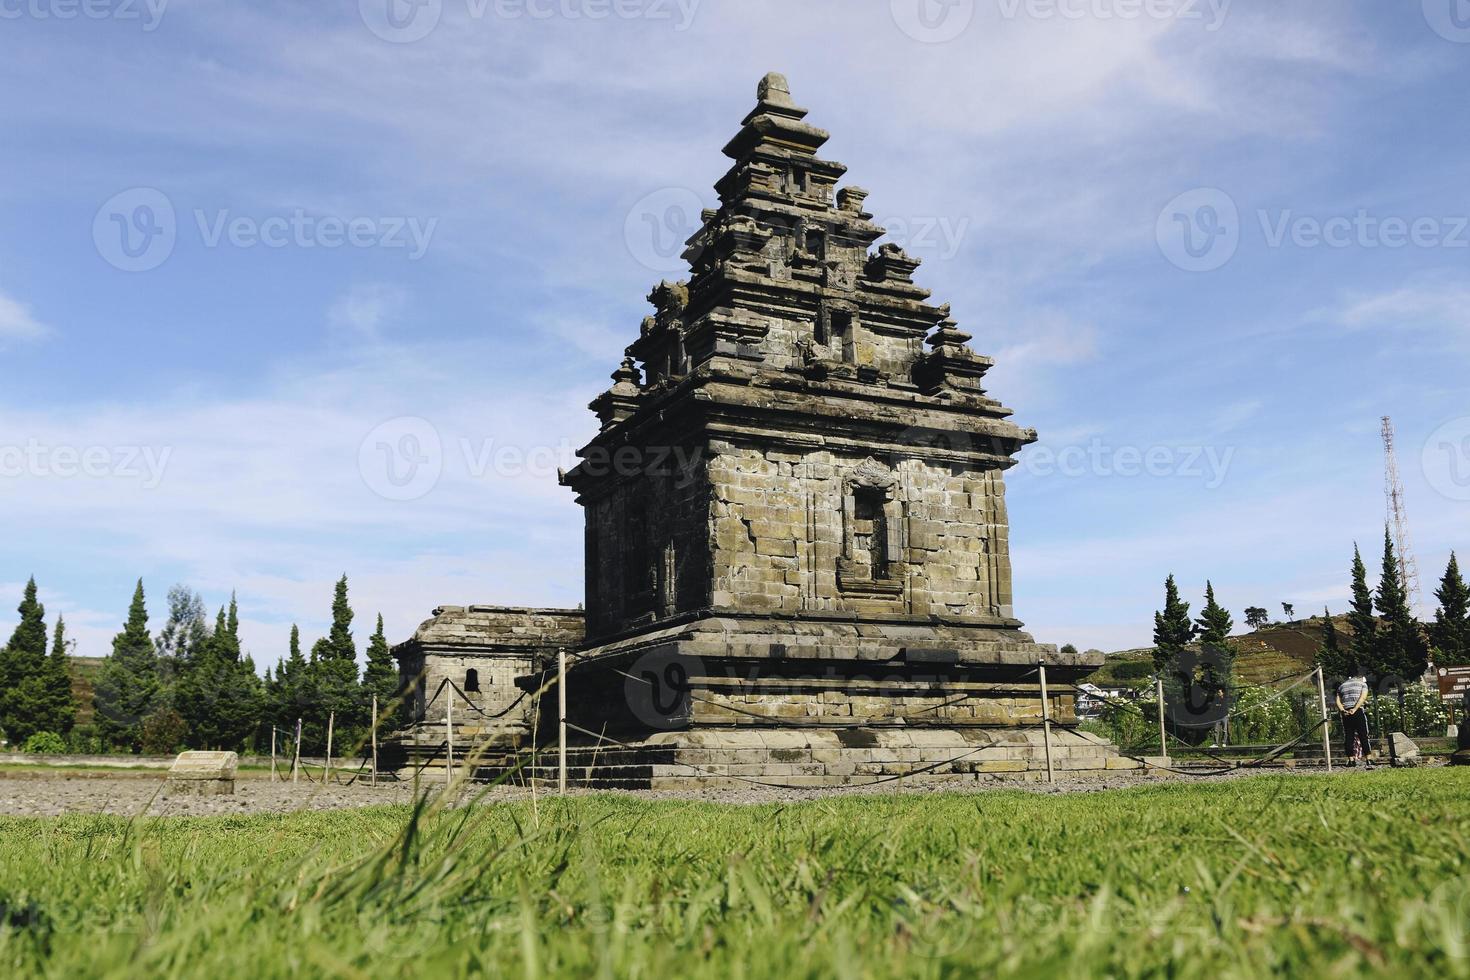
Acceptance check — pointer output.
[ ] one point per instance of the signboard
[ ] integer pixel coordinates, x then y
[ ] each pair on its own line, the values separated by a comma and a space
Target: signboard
1453, 683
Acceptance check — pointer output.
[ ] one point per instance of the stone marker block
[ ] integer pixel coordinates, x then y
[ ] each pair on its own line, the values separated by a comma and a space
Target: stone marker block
203, 773
1405, 752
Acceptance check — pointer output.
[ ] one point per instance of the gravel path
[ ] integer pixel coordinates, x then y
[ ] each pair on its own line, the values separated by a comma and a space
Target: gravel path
51, 793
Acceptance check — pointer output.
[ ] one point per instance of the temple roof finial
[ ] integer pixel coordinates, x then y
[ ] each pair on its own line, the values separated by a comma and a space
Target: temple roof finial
774, 89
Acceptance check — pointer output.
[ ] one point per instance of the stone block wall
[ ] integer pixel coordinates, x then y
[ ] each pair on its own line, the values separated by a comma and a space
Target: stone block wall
498, 643
647, 543
783, 535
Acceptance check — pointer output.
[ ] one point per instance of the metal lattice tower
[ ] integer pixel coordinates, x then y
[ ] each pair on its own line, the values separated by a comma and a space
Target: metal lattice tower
1393, 489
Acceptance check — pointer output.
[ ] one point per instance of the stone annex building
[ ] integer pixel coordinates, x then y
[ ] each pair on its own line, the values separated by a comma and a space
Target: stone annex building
797, 558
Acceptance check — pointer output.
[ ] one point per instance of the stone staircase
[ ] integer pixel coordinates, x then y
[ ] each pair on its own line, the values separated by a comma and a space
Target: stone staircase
422, 750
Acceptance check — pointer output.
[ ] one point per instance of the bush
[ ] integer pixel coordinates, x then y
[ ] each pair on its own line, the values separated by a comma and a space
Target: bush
163, 732
1133, 728
1260, 720
83, 740
1133, 670
1424, 714
44, 743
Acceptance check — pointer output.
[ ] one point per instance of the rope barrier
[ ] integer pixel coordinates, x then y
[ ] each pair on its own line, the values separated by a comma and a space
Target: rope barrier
1273, 754
1300, 680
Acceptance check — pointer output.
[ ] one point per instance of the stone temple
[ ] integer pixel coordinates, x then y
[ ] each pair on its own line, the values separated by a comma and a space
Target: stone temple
797, 549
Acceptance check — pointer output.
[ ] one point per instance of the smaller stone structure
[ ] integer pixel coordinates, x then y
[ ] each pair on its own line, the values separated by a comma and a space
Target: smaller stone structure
203, 774
472, 655
1404, 751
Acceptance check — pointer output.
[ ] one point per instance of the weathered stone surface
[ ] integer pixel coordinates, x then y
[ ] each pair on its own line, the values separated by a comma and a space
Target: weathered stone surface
1404, 752
203, 773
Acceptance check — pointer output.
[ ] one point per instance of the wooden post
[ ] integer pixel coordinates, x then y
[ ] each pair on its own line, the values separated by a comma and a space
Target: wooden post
1046, 724
273, 752
296, 759
1326, 728
449, 737
331, 722
561, 732
375, 740
1163, 736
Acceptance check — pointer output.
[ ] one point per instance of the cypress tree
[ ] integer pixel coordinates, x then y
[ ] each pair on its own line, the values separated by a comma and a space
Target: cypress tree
127, 688
1214, 628
221, 697
1402, 651
291, 678
23, 670
1215, 624
381, 676
1172, 628
1360, 617
61, 706
1451, 629
333, 683
29, 639
339, 639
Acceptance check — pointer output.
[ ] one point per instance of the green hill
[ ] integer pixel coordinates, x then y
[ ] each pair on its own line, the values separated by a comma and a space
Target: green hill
1266, 654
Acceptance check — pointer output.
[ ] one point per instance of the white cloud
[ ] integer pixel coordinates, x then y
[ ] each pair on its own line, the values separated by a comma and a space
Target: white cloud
365, 309
17, 323
269, 494
1427, 303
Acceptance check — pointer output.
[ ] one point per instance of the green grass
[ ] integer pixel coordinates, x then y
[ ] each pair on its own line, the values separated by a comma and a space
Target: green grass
1312, 875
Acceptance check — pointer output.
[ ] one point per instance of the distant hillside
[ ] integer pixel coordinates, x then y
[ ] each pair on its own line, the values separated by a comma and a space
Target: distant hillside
1266, 654
84, 671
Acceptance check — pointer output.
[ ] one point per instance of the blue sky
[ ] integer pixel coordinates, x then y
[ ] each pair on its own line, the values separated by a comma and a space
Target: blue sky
375, 268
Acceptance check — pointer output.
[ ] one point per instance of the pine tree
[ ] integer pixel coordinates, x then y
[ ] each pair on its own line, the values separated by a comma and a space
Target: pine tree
339, 639
23, 670
380, 679
332, 686
292, 677
29, 638
1451, 629
1172, 629
61, 706
221, 697
230, 645
127, 688
1401, 649
1215, 624
1334, 659
1217, 652
1361, 619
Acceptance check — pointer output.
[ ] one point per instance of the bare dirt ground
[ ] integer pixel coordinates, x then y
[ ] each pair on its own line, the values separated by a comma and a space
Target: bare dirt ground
49, 792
